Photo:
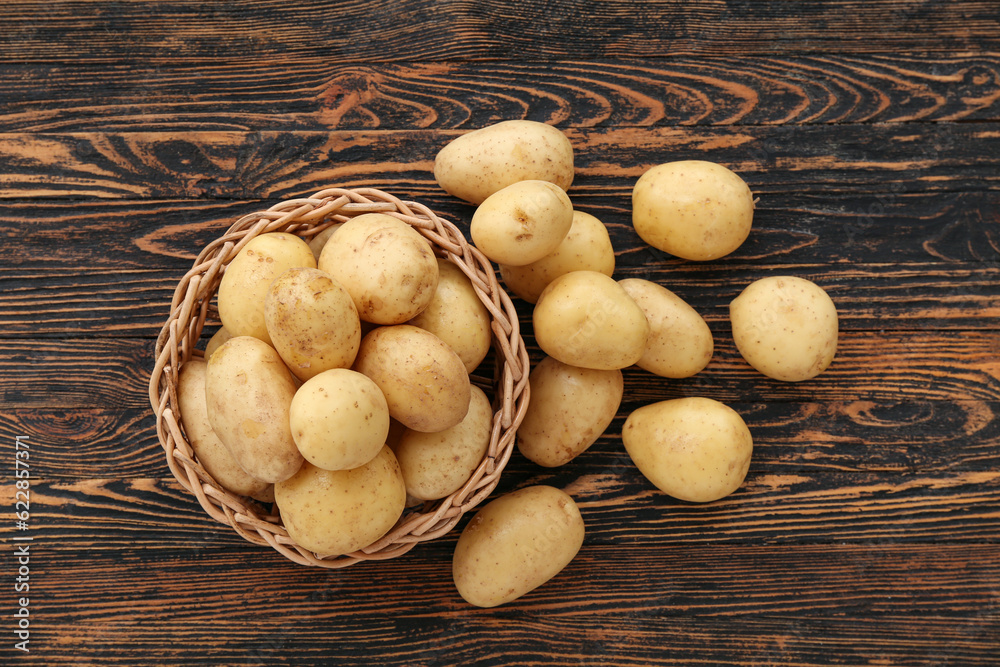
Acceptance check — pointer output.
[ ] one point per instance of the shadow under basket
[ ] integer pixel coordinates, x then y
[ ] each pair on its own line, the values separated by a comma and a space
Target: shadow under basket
192, 308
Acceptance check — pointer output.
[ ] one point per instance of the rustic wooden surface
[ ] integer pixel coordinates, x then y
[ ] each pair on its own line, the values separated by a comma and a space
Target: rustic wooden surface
868, 529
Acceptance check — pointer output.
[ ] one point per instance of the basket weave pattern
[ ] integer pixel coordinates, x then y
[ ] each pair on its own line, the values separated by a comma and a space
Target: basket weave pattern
192, 308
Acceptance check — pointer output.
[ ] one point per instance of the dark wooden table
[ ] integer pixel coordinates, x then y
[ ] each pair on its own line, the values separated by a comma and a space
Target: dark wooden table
868, 529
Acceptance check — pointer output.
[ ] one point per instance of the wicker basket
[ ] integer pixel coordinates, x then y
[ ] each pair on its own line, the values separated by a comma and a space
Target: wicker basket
192, 308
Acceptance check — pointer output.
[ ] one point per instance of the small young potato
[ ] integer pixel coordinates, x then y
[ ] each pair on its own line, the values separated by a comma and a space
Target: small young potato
457, 316
249, 275
586, 319
680, 343
785, 327
693, 449
587, 247
318, 241
479, 163
248, 392
211, 453
386, 266
437, 464
693, 209
312, 321
570, 408
339, 419
216, 341
515, 544
424, 381
522, 223
335, 512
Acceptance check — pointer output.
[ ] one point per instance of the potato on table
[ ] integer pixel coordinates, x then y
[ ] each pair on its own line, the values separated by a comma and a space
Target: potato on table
522, 223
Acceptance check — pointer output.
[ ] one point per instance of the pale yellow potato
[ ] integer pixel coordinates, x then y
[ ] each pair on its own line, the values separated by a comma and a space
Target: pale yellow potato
693, 209
424, 381
479, 163
515, 544
587, 247
586, 319
335, 512
312, 321
339, 419
694, 449
216, 341
522, 223
570, 408
785, 327
318, 241
457, 316
250, 274
437, 464
249, 392
680, 343
386, 266
211, 453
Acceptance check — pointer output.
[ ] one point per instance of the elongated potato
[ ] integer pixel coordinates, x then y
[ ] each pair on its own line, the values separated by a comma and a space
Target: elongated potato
522, 223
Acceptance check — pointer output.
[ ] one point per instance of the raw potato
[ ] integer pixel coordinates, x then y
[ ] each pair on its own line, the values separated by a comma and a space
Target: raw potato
424, 381
386, 266
216, 341
335, 512
694, 449
481, 162
587, 247
312, 321
693, 209
515, 544
457, 316
680, 343
249, 393
318, 241
785, 327
570, 408
586, 319
437, 464
522, 223
339, 419
211, 453
250, 274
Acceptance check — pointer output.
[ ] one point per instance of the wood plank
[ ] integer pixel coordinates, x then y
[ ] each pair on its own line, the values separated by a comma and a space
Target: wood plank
311, 94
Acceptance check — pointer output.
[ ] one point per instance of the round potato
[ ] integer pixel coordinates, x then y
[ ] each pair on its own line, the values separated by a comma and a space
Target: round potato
335, 512
312, 321
785, 327
479, 163
457, 316
693, 209
250, 274
339, 419
587, 247
437, 464
694, 449
522, 223
424, 381
680, 343
216, 341
211, 453
248, 391
515, 544
386, 266
570, 408
586, 319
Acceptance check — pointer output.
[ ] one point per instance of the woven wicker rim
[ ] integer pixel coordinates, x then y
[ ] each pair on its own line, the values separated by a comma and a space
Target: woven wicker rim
191, 308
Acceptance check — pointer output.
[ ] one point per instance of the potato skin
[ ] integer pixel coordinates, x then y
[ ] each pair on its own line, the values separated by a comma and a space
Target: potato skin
522, 223
515, 544
211, 453
694, 449
476, 164
249, 393
249, 275
693, 209
216, 341
785, 327
570, 408
335, 512
587, 247
680, 343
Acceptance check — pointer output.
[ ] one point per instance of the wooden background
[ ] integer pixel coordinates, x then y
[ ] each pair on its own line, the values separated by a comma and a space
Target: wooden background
868, 529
